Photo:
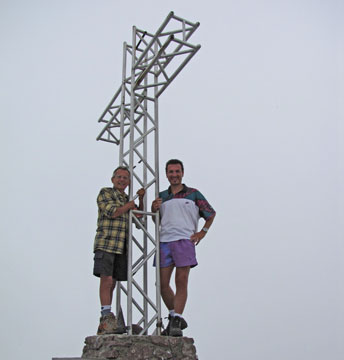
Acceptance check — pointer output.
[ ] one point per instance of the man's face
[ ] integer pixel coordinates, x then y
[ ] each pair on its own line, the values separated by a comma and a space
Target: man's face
121, 180
174, 174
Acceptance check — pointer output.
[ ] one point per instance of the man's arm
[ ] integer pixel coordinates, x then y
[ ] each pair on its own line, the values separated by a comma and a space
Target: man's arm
107, 205
130, 205
141, 194
123, 209
156, 206
198, 236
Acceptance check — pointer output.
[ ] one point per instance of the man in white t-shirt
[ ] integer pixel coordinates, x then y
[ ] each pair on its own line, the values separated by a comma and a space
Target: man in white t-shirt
180, 209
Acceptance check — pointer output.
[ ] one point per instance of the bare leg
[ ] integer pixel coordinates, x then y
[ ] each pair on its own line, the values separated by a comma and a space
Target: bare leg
107, 286
112, 289
167, 293
108, 322
182, 276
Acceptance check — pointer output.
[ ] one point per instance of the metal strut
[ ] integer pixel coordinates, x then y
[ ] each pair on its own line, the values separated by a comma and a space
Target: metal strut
131, 121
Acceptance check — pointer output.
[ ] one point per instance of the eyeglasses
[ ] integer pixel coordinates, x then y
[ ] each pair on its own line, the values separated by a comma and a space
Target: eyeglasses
126, 178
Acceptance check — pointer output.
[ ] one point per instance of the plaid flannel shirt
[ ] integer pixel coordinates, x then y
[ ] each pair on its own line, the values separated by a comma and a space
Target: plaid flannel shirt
111, 232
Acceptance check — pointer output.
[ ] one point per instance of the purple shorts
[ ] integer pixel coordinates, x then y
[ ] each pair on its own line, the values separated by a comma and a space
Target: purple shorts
179, 253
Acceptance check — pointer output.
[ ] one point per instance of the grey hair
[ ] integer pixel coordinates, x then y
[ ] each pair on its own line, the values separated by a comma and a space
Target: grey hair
120, 168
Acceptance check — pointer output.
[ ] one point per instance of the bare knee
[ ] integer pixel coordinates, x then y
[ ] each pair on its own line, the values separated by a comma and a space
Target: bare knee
165, 276
164, 286
182, 277
107, 282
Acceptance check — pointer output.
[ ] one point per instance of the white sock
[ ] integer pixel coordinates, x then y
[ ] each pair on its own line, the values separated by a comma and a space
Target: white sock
179, 315
172, 312
105, 309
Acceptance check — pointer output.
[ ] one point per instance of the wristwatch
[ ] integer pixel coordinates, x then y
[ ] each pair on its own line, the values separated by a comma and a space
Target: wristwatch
205, 229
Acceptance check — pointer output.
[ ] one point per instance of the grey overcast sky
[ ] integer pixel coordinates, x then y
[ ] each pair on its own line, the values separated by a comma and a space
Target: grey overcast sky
257, 118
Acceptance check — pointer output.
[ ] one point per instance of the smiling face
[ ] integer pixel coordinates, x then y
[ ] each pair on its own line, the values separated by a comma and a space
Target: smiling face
121, 179
174, 174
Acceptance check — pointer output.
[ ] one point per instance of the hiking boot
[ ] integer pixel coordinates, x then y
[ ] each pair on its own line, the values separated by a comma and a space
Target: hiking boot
176, 327
136, 329
166, 332
120, 330
184, 324
107, 325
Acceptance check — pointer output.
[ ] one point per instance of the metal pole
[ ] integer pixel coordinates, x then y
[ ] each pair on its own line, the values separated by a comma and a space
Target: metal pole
157, 273
131, 168
124, 69
157, 217
145, 243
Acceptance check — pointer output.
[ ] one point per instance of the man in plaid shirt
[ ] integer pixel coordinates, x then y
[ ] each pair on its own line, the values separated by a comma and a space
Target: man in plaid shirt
110, 253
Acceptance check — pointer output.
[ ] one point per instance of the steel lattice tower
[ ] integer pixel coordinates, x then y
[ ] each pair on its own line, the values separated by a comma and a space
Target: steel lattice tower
131, 120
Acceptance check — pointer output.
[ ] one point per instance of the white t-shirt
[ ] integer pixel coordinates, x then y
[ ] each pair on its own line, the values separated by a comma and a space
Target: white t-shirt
180, 213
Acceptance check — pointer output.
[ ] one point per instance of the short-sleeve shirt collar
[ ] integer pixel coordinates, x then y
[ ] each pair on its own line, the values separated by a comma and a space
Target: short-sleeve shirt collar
183, 190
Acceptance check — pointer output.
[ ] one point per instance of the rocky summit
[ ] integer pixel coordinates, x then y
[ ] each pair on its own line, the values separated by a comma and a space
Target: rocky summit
131, 347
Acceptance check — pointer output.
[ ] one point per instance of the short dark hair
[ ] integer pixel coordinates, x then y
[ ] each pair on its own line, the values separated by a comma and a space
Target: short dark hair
174, 162
120, 168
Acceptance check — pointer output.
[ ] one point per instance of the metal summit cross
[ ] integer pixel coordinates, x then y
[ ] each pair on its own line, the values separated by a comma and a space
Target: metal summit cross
132, 122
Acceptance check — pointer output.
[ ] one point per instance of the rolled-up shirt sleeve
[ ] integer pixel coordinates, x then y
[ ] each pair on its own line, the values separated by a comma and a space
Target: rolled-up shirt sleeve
106, 203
